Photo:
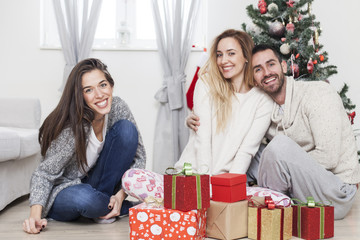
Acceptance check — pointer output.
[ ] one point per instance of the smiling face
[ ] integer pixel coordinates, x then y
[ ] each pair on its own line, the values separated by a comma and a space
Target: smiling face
230, 58
269, 72
97, 92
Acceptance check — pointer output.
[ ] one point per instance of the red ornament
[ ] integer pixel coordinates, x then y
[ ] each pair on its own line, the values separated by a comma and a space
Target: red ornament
283, 39
262, 6
351, 117
290, 27
315, 61
295, 70
290, 3
297, 56
263, 10
321, 57
310, 66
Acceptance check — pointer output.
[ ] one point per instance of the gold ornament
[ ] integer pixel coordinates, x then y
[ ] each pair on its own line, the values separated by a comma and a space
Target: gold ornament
316, 37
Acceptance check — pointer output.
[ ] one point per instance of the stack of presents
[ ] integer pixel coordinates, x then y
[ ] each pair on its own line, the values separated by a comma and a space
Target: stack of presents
188, 212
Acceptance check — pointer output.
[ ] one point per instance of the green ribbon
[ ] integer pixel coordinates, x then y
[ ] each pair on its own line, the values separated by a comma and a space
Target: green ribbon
173, 191
310, 202
187, 171
198, 191
322, 221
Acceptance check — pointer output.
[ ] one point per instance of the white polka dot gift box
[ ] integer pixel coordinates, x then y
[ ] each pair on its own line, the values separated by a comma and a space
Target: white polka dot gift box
150, 222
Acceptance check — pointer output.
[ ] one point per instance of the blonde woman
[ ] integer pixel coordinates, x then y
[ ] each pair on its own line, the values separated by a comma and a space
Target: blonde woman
234, 115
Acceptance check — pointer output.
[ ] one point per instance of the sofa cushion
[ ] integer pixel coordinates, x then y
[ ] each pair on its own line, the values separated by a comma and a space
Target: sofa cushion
29, 143
9, 144
20, 112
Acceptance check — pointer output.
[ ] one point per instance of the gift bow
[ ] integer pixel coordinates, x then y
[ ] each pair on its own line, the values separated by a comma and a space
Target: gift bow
310, 202
153, 201
186, 170
269, 203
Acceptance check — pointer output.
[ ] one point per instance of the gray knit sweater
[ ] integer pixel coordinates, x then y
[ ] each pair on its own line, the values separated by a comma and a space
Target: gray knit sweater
58, 168
314, 117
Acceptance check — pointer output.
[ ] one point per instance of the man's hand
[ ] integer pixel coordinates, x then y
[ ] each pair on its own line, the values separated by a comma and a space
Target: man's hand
192, 121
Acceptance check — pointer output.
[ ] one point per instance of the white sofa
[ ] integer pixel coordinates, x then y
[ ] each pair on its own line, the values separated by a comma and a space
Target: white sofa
19, 146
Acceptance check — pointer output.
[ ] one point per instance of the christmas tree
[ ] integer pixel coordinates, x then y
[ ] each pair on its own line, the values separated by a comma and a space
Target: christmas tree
291, 26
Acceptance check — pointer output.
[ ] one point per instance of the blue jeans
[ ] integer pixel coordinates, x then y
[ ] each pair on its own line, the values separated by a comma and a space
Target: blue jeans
90, 199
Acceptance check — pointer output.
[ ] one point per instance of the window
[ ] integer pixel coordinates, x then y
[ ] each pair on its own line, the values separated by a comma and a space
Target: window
123, 25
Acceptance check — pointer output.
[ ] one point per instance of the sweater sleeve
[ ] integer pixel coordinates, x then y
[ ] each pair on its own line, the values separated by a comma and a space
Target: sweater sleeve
254, 136
52, 167
203, 109
120, 110
325, 115
198, 150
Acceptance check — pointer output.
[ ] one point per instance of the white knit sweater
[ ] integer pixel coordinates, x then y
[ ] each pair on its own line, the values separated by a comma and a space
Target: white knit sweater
314, 117
231, 150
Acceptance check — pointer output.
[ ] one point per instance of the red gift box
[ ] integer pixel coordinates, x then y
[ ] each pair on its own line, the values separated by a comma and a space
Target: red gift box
186, 193
228, 187
313, 222
150, 222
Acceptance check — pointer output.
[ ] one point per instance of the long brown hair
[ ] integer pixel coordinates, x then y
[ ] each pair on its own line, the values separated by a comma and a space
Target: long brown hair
221, 89
72, 111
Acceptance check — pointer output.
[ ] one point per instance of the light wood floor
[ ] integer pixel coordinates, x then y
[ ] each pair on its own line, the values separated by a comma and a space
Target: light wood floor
11, 219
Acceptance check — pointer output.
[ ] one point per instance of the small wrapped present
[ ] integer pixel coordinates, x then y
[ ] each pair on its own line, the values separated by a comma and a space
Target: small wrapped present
267, 220
227, 220
312, 220
186, 191
228, 187
156, 222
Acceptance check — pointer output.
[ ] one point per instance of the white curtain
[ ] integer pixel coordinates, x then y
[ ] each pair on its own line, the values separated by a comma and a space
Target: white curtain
76, 21
174, 24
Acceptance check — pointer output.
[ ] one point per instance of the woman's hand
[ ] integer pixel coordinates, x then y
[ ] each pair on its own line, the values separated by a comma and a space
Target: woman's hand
192, 121
115, 204
34, 224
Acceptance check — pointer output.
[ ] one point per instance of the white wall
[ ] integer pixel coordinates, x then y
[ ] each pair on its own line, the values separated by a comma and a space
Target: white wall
27, 71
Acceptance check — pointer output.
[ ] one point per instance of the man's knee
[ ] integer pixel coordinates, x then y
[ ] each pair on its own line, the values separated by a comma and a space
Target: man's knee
280, 147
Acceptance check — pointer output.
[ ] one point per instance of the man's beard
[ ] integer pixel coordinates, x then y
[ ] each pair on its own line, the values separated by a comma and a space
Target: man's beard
275, 91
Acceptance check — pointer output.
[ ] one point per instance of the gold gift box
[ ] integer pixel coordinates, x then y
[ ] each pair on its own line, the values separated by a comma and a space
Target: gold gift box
270, 228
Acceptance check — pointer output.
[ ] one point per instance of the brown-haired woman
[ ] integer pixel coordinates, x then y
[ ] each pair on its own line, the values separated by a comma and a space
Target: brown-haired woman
87, 143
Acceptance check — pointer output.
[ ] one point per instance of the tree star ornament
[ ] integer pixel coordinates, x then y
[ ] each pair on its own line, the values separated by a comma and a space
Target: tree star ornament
276, 29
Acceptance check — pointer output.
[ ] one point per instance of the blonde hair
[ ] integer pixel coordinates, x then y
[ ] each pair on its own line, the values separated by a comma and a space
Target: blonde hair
221, 89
